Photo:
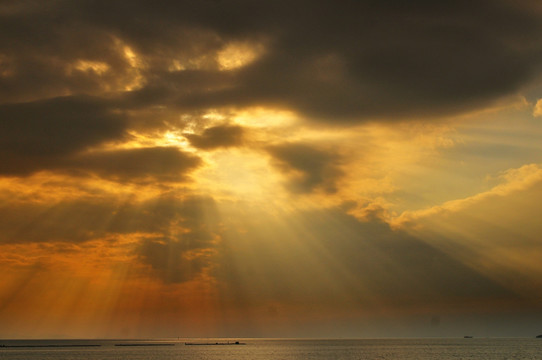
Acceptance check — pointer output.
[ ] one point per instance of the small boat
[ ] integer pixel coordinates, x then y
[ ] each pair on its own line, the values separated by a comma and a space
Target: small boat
467, 337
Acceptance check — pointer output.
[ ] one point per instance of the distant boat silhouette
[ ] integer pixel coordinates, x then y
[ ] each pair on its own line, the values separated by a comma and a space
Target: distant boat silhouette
539, 336
467, 337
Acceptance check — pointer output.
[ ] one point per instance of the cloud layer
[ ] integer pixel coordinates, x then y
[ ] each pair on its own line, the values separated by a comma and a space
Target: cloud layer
346, 61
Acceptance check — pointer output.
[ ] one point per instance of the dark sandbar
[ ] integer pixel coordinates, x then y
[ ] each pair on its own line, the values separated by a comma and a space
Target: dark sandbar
50, 346
147, 344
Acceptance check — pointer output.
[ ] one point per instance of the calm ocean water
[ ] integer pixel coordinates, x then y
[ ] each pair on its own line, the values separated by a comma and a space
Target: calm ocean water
258, 349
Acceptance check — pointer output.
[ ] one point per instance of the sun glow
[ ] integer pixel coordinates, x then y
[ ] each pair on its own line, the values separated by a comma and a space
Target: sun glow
239, 174
238, 54
135, 78
97, 67
264, 117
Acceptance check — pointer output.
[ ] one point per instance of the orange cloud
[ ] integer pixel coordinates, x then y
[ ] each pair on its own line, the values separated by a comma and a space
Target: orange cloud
513, 180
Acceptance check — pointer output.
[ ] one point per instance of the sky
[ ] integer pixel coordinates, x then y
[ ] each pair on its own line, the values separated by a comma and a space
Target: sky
220, 168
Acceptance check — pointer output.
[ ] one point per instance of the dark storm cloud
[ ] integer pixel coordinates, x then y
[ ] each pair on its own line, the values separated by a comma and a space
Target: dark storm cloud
40, 51
217, 137
183, 253
186, 89
168, 226
330, 60
165, 164
97, 216
386, 59
195, 219
307, 168
54, 134
167, 258
353, 61
38, 135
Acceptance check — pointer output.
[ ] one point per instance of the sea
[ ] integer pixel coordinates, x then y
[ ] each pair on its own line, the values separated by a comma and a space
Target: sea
274, 349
